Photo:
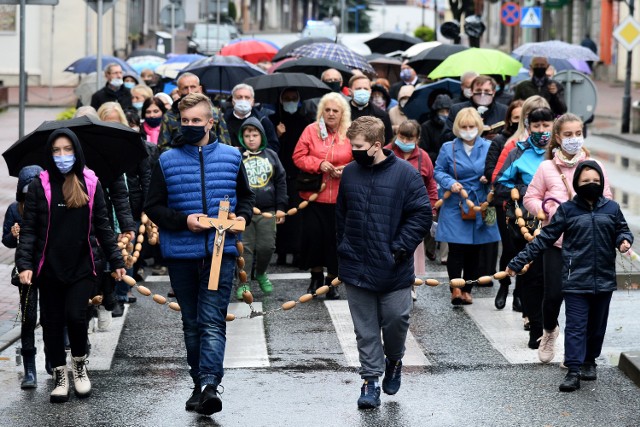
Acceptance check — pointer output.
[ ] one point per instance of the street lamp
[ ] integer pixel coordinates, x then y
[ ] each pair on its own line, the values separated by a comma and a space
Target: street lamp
355, 10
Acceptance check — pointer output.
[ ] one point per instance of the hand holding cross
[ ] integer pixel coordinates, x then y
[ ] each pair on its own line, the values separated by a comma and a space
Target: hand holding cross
222, 224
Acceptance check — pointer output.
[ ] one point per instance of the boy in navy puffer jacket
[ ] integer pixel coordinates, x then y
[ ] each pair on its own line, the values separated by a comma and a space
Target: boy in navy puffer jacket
593, 228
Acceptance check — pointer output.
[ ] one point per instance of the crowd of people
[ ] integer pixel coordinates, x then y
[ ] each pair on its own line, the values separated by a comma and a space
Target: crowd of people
365, 180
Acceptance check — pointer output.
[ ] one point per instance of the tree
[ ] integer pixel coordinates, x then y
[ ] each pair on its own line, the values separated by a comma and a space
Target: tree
233, 13
331, 8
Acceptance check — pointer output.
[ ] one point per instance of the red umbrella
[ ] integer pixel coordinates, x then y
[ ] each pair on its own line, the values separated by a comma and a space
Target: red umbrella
253, 51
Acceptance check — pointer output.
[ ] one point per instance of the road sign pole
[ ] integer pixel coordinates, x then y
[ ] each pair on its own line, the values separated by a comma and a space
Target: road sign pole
99, 49
626, 99
23, 81
173, 27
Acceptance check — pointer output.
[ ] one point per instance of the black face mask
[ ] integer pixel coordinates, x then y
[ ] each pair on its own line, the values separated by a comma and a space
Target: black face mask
334, 86
539, 72
591, 191
362, 157
513, 127
193, 134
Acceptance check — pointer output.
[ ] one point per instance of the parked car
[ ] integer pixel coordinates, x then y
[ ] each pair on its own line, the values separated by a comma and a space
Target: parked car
208, 39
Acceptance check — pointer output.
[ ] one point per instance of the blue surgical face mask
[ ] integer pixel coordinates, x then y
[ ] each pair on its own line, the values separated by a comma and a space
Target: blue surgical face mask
65, 163
405, 147
242, 107
137, 105
443, 118
361, 96
129, 85
290, 106
116, 83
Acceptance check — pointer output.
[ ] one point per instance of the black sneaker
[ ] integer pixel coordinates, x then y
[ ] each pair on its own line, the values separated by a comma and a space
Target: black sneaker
369, 396
194, 399
571, 382
588, 371
118, 309
210, 401
392, 376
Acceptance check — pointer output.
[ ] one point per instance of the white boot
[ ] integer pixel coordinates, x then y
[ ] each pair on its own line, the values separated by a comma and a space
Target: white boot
60, 391
81, 381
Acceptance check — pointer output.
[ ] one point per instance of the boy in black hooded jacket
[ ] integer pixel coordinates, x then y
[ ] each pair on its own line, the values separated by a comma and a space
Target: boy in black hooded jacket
590, 223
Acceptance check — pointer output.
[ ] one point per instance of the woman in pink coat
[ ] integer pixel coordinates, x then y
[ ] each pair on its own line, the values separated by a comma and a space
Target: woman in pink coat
550, 186
323, 148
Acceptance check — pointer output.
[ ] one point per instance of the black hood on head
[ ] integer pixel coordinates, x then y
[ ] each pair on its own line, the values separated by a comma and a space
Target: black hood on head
591, 164
50, 165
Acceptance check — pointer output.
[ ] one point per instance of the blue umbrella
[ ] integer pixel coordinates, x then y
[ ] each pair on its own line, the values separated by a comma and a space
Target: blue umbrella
219, 74
177, 63
88, 65
139, 63
419, 105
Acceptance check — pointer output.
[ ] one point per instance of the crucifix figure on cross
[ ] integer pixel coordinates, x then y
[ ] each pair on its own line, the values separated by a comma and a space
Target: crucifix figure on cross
225, 222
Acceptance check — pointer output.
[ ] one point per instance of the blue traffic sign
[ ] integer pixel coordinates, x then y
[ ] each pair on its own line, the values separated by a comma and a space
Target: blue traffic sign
531, 17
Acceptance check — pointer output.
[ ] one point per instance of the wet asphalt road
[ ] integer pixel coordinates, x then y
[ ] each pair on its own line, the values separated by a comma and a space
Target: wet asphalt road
468, 383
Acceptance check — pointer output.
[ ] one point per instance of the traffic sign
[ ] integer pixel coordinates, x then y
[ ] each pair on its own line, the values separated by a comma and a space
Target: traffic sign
510, 14
628, 33
531, 17
106, 5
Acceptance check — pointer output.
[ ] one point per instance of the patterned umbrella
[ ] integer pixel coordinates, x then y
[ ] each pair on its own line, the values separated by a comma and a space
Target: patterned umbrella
556, 49
390, 42
334, 52
253, 51
313, 66
286, 49
219, 74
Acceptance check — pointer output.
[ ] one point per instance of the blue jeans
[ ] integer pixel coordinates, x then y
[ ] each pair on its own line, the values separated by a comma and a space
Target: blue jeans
585, 327
203, 314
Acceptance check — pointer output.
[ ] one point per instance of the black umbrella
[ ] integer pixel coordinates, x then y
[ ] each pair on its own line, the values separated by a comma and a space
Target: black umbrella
269, 86
427, 60
314, 67
286, 49
110, 149
390, 42
219, 74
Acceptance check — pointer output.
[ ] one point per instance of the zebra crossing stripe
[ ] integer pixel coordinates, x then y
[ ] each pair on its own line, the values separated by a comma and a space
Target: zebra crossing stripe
341, 318
246, 342
504, 330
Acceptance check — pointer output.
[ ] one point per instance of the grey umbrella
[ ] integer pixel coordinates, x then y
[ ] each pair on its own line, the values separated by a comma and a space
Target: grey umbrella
556, 49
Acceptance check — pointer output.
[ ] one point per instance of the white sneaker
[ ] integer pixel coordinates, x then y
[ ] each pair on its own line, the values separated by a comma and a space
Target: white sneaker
414, 294
81, 382
547, 344
104, 319
60, 392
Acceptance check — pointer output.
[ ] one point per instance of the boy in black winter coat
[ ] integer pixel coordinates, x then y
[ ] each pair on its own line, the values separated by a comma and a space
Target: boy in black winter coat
382, 214
593, 228
268, 181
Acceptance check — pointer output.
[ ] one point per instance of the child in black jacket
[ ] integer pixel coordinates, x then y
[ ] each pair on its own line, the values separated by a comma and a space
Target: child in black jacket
593, 228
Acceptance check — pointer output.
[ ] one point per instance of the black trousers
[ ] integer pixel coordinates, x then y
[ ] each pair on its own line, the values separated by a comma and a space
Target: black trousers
552, 300
532, 292
29, 309
65, 304
465, 258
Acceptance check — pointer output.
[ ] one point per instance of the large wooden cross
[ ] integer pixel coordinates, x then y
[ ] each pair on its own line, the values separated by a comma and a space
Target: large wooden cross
221, 224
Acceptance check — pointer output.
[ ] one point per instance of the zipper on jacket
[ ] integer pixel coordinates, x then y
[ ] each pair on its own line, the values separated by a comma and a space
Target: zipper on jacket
593, 228
204, 197
569, 277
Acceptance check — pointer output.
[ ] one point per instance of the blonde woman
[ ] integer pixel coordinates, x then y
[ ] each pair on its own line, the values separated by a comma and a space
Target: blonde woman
459, 166
139, 94
323, 148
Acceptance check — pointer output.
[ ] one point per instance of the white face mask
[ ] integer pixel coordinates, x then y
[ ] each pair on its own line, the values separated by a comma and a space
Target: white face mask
467, 92
116, 83
242, 107
469, 135
572, 145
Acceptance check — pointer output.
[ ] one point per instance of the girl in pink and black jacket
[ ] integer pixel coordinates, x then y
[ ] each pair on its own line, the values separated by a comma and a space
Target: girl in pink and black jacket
65, 218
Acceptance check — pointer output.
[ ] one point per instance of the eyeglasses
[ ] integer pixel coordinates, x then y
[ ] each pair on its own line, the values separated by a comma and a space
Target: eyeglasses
483, 93
332, 81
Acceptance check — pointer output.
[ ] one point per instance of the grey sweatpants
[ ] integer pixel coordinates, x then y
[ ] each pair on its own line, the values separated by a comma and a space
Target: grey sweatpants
260, 243
373, 312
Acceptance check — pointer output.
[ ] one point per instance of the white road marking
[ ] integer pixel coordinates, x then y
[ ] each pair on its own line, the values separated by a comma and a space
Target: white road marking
246, 342
343, 324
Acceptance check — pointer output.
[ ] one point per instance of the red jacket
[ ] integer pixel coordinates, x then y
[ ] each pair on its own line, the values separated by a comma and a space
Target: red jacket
420, 160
